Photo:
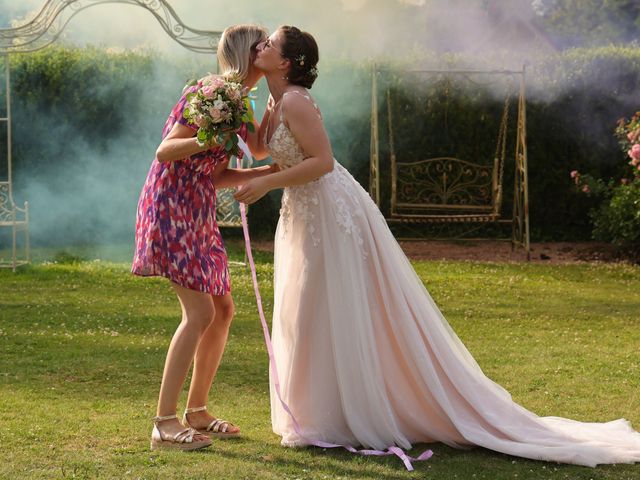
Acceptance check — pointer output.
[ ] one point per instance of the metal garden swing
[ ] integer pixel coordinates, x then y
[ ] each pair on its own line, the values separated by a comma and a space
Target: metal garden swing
445, 189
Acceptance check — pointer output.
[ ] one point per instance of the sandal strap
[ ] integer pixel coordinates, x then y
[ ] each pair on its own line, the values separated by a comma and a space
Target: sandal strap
185, 436
194, 409
217, 423
162, 419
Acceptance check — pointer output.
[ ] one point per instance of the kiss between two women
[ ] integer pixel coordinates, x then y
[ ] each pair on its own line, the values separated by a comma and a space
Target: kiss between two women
364, 355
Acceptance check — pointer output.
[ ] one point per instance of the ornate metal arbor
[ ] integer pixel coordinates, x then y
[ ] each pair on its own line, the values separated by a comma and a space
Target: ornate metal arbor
42, 30
445, 189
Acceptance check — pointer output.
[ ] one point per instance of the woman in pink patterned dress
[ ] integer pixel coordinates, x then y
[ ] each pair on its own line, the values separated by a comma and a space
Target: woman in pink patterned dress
177, 237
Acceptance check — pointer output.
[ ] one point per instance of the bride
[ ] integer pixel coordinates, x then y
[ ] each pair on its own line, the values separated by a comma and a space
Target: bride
364, 355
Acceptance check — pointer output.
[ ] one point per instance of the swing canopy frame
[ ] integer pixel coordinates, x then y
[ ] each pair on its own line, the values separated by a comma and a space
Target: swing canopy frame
444, 188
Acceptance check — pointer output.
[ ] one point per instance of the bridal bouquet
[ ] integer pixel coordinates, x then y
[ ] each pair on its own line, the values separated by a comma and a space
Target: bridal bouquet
219, 108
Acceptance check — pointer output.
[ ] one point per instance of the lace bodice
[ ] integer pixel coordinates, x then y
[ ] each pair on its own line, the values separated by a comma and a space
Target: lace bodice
343, 197
284, 148
282, 145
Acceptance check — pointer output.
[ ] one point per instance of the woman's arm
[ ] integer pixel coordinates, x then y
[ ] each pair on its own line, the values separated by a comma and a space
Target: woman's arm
255, 140
306, 126
224, 177
179, 144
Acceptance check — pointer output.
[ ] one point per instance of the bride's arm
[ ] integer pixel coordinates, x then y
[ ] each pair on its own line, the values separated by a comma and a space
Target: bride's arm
306, 126
224, 177
255, 140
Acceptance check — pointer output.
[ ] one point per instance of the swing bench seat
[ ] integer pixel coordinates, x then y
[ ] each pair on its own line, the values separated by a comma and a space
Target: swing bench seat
444, 190
408, 218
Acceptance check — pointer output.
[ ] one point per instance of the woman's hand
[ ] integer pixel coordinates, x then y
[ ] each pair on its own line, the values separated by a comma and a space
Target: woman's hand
253, 190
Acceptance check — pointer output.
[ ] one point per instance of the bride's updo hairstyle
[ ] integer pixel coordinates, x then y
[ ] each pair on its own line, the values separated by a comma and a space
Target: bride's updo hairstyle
301, 49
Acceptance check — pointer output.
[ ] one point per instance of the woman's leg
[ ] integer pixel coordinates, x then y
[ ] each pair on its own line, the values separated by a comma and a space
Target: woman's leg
198, 312
207, 360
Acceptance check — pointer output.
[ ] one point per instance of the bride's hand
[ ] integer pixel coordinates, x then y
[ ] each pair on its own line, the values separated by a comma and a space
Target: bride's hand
252, 191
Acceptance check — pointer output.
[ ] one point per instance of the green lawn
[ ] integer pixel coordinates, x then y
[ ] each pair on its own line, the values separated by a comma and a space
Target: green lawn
83, 344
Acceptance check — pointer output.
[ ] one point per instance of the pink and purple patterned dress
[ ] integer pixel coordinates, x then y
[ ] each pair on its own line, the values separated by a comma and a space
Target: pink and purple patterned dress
177, 235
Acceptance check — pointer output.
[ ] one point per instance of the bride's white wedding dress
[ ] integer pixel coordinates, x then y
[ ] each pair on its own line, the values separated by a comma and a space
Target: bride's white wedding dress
365, 356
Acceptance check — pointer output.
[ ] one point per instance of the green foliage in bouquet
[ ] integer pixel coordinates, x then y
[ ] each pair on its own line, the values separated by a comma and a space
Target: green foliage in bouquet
219, 108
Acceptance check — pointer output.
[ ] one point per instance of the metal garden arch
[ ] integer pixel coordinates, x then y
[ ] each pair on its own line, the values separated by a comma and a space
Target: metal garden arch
41, 31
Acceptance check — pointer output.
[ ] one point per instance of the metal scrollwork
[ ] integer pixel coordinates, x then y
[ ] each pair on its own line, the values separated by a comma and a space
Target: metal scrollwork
49, 22
17, 219
6, 205
444, 183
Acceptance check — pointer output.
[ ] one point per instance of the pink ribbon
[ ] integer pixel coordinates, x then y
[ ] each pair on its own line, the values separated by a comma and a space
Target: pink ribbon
392, 450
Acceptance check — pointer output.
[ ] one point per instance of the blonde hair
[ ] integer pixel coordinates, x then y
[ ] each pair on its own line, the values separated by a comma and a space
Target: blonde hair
236, 47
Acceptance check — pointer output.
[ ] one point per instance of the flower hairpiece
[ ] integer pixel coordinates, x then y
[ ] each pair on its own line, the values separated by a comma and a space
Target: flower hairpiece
300, 59
313, 71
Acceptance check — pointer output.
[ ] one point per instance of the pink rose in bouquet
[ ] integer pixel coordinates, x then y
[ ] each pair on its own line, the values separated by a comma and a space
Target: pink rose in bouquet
219, 107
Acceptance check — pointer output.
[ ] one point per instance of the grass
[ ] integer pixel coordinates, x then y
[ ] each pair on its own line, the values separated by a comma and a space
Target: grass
83, 344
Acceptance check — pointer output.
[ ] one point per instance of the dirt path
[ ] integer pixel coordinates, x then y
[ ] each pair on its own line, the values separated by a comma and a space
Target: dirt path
498, 251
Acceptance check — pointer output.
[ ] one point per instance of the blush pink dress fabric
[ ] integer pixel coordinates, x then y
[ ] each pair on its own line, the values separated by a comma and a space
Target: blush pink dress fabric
365, 356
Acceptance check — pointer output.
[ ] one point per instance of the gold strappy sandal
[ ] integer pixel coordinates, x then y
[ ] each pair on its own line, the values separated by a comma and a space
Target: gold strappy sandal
183, 440
217, 428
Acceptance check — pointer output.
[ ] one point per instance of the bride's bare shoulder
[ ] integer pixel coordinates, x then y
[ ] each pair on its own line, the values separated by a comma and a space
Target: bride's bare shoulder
298, 103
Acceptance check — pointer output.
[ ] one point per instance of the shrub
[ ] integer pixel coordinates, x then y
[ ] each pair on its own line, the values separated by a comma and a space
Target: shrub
617, 218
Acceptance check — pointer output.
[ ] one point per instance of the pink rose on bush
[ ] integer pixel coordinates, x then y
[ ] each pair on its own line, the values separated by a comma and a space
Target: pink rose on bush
586, 189
634, 135
635, 152
576, 176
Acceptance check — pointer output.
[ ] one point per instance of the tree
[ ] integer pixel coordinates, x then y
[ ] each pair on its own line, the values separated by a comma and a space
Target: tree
590, 22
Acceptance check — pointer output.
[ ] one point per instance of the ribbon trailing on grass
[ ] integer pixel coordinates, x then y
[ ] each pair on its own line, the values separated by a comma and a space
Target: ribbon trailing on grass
392, 450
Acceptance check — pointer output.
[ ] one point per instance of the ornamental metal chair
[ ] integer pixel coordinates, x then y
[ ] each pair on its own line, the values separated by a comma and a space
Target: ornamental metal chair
12, 217
17, 220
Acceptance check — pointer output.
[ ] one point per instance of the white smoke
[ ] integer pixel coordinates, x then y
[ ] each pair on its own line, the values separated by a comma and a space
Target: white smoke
355, 29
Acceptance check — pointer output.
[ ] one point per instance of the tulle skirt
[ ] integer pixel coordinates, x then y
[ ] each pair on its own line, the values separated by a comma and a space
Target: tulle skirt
365, 357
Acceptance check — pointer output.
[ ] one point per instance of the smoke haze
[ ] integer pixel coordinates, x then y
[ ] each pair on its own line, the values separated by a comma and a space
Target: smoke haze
89, 194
